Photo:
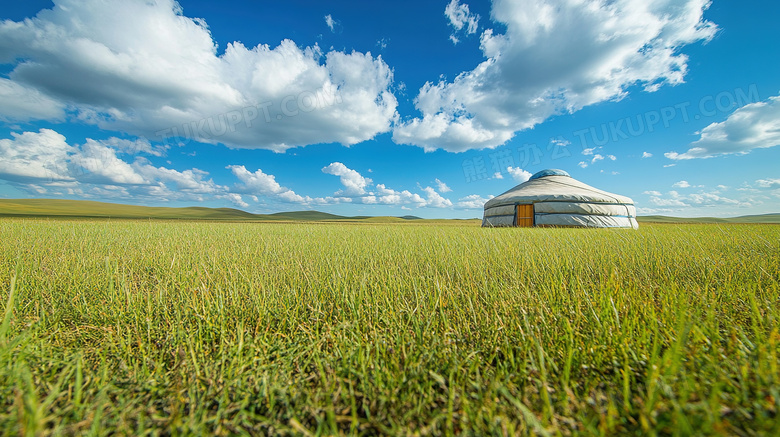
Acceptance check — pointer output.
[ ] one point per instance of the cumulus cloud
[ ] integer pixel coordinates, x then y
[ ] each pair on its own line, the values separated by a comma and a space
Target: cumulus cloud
461, 19
518, 174
190, 181
259, 183
753, 126
356, 187
43, 162
435, 200
354, 183
388, 196
681, 184
442, 187
536, 69
100, 164
237, 200
35, 156
473, 201
705, 199
22, 103
147, 69
673, 201
647, 155
140, 145
768, 183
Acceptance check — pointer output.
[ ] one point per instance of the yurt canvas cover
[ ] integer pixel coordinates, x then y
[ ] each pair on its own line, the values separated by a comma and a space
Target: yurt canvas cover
553, 198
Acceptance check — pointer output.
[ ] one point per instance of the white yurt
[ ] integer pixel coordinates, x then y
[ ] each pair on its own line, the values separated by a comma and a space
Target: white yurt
553, 198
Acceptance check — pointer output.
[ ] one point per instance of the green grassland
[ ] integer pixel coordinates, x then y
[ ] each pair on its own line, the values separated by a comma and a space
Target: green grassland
191, 327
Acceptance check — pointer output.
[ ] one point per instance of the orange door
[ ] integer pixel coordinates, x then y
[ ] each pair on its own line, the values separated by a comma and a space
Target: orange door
525, 216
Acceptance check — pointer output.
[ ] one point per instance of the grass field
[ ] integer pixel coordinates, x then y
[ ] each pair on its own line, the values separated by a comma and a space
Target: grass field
154, 327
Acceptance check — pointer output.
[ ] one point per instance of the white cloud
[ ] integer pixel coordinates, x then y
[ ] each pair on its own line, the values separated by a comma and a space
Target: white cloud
35, 156
461, 18
596, 158
498, 175
259, 183
22, 103
98, 163
44, 163
473, 201
557, 56
711, 199
518, 174
330, 22
768, 183
442, 187
354, 183
357, 187
647, 155
681, 184
237, 200
583, 164
612, 157
435, 199
700, 199
753, 126
145, 68
653, 193
667, 202
140, 145
191, 181
388, 196
652, 211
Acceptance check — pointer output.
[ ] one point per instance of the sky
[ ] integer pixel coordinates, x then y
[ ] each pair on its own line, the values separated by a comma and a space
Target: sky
425, 108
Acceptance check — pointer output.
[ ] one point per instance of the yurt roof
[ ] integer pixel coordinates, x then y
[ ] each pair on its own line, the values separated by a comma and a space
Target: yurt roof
555, 185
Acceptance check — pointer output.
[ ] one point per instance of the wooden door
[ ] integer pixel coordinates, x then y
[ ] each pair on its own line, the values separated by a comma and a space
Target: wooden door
525, 216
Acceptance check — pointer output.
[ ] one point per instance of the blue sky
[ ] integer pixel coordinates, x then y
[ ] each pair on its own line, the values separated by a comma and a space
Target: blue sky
372, 108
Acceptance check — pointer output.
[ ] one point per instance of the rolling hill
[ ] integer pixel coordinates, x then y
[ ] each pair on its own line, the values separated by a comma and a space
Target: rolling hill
91, 209
761, 218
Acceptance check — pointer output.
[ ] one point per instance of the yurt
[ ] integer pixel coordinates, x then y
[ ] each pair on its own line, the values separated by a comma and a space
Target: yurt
553, 198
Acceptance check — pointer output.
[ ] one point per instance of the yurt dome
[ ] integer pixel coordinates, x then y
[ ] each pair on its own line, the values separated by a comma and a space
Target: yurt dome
553, 198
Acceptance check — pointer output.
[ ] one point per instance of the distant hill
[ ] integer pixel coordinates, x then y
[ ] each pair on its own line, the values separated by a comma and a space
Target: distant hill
88, 208
307, 215
91, 209
761, 218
